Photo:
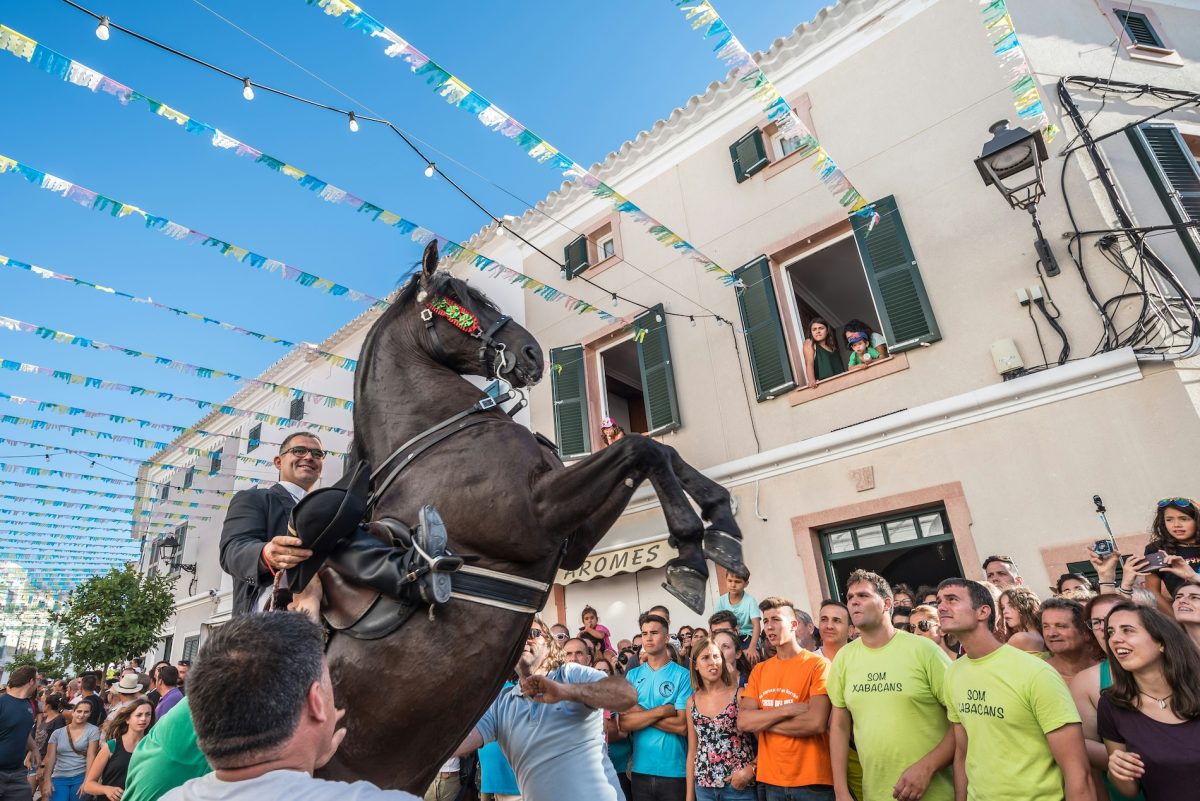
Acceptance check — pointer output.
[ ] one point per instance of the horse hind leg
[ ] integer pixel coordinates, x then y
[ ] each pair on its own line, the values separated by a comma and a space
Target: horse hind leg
723, 537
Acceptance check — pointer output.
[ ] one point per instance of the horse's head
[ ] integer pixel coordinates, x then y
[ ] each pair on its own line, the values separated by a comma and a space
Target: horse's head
463, 330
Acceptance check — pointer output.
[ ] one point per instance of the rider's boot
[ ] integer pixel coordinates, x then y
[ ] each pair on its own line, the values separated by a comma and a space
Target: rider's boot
413, 567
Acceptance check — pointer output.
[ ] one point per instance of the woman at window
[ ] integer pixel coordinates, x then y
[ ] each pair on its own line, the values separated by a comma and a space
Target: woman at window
720, 762
1175, 532
874, 338
610, 432
1020, 625
1149, 718
822, 359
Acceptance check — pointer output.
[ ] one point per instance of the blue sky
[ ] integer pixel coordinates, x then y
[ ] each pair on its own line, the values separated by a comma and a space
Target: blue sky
584, 76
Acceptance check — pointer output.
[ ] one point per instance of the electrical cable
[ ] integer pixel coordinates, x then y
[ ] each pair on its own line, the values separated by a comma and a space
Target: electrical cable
1066, 348
1038, 331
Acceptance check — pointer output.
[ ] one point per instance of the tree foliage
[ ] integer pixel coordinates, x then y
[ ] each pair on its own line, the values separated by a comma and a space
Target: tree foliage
50, 665
115, 617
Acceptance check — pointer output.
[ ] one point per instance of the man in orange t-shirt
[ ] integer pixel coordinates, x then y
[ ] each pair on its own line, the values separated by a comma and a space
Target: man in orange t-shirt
786, 704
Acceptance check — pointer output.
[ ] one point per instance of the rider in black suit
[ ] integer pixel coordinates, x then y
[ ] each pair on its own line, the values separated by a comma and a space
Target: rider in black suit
254, 540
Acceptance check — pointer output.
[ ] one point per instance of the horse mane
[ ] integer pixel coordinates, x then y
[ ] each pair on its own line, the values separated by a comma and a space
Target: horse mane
439, 283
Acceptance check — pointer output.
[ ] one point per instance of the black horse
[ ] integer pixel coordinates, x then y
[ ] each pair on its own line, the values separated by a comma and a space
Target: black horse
507, 499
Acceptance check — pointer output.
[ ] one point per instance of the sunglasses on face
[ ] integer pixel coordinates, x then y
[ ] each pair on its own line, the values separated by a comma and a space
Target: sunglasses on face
925, 625
1182, 503
300, 451
561, 637
536, 634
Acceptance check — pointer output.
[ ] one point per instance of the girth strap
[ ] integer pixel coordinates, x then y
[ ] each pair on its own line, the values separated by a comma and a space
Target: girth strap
491, 588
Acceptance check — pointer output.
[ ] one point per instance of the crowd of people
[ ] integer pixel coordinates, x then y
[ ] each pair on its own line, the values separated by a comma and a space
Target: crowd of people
970, 689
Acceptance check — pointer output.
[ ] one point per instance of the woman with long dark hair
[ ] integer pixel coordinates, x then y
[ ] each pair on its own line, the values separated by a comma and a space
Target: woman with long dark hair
106, 775
731, 646
822, 358
1149, 718
1176, 532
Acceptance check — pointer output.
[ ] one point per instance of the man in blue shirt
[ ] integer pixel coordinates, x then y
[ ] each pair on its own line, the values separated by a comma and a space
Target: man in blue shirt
658, 725
549, 725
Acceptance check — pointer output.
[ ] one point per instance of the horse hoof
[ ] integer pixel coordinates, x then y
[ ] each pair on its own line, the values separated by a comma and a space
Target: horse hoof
687, 585
725, 550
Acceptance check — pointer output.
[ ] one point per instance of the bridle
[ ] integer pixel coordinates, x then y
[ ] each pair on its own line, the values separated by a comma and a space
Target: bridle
494, 357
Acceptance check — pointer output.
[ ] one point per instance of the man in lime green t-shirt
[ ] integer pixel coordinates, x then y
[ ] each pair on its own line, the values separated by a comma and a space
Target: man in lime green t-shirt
886, 686
1018, 735
166, 757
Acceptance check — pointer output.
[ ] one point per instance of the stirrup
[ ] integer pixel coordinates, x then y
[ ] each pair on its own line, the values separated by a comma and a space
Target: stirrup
430, 540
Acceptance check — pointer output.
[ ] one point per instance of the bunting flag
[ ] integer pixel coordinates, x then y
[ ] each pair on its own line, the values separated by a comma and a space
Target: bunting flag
63, 338
92, 455
1027, 97
47, 472
459, 95
97, 494
137, 442
60, 408
22, 534
449, 250
742, 66
95, 507
123, 526
334, 359
114, 208
158, 394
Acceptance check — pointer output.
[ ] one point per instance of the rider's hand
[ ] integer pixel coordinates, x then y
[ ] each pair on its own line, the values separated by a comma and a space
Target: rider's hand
282, 553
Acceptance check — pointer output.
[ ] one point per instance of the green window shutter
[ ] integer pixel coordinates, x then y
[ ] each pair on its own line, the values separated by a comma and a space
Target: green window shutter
763, 328
1139, 28
575, 257
658, 378
1175, 176
569, 388
894, 279
749, 155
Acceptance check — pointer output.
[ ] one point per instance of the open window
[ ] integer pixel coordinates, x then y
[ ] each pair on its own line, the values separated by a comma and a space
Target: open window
595, 250
634, 384
868, 274
1175, 175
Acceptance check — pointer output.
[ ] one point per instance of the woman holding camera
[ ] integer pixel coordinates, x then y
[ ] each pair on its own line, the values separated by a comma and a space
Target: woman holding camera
1149, 718
1176, 533
925, 623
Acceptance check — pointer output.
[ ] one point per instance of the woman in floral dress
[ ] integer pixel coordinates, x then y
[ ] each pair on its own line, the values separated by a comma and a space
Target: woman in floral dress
720, 765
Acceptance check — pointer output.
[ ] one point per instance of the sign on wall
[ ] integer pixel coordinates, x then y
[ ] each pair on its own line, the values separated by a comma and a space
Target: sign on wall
626, 560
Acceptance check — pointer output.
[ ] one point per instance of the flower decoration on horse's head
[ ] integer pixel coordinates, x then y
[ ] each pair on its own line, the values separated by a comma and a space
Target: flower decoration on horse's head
459, 317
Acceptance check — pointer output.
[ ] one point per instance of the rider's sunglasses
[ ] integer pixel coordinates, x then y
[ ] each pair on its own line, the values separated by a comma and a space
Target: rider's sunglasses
300, 451
1182, 503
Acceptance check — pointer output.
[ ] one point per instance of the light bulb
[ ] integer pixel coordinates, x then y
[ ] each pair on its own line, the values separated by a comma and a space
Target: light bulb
102, 31
693, 319
429, 170
247, 89
499, 228
353, 123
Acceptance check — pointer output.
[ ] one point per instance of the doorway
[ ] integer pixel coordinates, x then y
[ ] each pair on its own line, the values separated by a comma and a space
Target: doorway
916, 548
620, 376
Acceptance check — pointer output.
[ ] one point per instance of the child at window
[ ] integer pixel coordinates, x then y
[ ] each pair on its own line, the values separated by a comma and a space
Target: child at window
861, 352
875, 339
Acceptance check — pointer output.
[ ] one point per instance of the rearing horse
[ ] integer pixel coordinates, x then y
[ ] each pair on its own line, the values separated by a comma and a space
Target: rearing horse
506, 498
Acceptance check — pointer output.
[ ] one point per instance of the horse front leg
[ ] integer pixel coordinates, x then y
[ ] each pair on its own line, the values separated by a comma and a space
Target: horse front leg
588, 497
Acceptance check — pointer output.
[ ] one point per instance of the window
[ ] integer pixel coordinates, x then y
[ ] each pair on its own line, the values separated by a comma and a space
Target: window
190, 646
912, 548
168, 643
164, 491
785, 144
870, 274
606, 248
180, 534
296, 410
254, 437
1137, 26
214, 463
636, 385
749, 155
595, 247
1175, 175
188, 476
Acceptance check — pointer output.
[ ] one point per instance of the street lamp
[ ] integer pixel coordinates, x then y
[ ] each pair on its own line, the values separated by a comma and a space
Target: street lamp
168, 546
1012, 162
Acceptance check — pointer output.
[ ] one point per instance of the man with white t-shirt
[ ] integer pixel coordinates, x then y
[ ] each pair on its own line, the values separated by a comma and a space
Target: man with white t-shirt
550, 725
266, 739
